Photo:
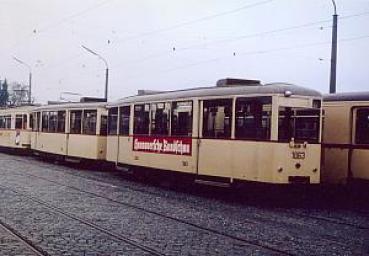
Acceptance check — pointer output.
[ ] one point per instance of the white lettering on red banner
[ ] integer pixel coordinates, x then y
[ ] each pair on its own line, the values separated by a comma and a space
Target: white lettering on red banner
163, 145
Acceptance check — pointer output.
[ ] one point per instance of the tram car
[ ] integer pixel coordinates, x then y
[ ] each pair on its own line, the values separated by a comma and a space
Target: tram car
70, 131
238, 130
346, 138
15, 128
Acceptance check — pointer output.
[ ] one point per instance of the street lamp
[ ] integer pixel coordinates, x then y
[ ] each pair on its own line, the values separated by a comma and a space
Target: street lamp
332, 85
106, 70
29, 77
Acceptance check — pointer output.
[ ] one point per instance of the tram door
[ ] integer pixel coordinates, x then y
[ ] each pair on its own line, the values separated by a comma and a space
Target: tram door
215, 149
360, 147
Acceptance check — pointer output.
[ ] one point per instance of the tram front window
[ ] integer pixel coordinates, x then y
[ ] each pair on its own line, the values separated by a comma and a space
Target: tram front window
298, 124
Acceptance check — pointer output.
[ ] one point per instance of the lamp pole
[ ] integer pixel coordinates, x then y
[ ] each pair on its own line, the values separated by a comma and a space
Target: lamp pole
29, 78
332, 85
106, 69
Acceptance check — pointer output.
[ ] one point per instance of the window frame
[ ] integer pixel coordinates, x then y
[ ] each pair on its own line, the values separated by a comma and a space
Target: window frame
111, 131
74, 130
158, 127
87, 128
123, 126
17, 125
146, 120
227, 102
355, 135
189, 127
293, 124
264, 101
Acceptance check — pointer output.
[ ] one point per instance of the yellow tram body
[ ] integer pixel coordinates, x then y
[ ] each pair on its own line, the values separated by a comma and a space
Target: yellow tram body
237, 130
15, 127
71, 130
346, 138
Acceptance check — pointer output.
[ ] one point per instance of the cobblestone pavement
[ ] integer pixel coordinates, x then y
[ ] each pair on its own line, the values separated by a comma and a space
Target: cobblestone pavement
68, 211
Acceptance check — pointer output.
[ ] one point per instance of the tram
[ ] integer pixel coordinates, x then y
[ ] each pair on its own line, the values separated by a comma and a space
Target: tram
15, 128
346, 138
238, 130
70, 131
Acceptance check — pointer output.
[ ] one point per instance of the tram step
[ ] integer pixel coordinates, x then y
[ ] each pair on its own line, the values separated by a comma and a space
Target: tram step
213, 183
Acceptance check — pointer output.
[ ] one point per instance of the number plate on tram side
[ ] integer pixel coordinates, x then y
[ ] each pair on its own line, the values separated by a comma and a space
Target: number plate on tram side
298, 155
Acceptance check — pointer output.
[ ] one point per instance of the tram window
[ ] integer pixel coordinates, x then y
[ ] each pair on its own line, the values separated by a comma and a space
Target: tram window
141, 119
53, 121
61, 121
113, 121
75, 121
160, 118
217, 118
8, 122
253, 118
25, 121
104, 125
299, 124
2, 122
124, 113
45, 121
31, 121
182, 118
362, 126
89, 122
18, 121
36, 121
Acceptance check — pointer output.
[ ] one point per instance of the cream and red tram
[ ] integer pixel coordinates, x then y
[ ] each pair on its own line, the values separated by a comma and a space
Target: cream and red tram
346, 138
15, 128
72, 131
237, 130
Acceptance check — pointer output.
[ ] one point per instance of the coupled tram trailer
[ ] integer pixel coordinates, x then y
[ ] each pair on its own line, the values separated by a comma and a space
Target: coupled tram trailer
346, 139
15, 129
239, 130
70, 131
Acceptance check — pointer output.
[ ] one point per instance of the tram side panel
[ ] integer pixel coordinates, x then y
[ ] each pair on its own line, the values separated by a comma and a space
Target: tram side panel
336, 143
53, 143
87, 146
112, 148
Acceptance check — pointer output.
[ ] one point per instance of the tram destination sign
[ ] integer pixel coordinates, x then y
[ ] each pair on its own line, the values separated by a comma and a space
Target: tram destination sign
163, 145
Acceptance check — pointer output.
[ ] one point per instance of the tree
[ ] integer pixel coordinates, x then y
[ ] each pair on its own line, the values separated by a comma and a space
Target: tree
18, 94
4, 94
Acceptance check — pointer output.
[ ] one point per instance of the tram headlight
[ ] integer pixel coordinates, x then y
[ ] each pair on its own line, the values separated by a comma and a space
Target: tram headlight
287, 93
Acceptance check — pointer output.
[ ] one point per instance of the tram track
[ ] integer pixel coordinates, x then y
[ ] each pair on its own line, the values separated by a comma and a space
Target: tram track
325, 219
252, 242
210, 230
199, 227
24, 241
60, 211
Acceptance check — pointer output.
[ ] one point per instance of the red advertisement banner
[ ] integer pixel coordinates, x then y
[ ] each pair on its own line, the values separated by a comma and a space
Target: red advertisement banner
163, 145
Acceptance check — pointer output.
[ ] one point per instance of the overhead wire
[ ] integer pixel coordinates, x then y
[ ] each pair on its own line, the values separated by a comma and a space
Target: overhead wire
242, 37
256, 52
202, 19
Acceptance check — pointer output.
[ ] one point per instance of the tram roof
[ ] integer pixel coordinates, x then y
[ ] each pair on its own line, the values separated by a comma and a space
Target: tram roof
71, 105
23, 108
257, 88
347, 96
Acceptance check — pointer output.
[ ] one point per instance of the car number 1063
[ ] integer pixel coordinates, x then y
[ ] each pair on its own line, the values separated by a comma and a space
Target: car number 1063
298, 155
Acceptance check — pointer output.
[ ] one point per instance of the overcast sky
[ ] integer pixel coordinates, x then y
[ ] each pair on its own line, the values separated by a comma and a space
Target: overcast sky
168, 45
